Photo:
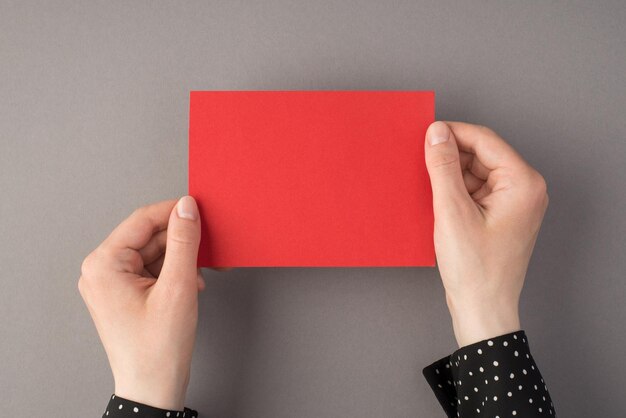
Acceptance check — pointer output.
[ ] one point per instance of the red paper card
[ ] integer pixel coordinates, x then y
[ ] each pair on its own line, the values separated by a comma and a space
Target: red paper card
311, 178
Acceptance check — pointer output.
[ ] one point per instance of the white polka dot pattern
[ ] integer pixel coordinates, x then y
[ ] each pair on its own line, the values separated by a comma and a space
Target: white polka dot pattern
478, 390
125, 408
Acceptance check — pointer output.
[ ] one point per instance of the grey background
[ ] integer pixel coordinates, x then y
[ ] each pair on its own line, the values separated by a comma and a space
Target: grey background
93, 123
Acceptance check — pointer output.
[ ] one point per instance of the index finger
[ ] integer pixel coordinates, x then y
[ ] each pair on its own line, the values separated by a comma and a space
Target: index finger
136, 230
490, 149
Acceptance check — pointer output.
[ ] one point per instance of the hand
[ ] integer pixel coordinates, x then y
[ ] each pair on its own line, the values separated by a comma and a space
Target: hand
488, 205
148, 325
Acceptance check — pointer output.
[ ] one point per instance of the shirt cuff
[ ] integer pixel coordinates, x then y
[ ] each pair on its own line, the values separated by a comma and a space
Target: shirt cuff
492, 377
125, 408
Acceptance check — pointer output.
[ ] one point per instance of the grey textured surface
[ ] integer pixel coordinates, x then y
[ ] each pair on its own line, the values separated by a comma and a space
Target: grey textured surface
93, 122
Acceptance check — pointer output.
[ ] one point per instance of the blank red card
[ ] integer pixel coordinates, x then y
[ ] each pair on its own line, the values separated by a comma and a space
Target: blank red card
311, 178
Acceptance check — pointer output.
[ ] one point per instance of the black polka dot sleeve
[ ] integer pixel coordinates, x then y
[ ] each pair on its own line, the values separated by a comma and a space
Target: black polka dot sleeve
495, 378
125, 408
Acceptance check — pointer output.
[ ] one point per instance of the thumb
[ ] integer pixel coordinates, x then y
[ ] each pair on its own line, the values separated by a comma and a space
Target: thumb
183, 239
444, 167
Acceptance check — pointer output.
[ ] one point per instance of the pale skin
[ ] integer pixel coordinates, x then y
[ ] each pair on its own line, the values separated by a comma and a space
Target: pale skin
141, 284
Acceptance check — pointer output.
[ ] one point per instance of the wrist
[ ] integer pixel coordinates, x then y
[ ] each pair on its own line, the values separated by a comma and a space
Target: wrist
478, 321
158, 392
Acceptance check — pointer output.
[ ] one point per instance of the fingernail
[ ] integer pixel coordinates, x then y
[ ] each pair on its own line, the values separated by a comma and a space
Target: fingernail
438, 133
187, 208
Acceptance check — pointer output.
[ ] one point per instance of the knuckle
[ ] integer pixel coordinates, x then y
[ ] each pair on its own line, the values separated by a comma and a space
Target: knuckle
81, 286
92, 265
87, 266
540, 183
181, 238
487, 131
537, 186
139, 212
85, 286
105, 253
445, 161
184, 235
